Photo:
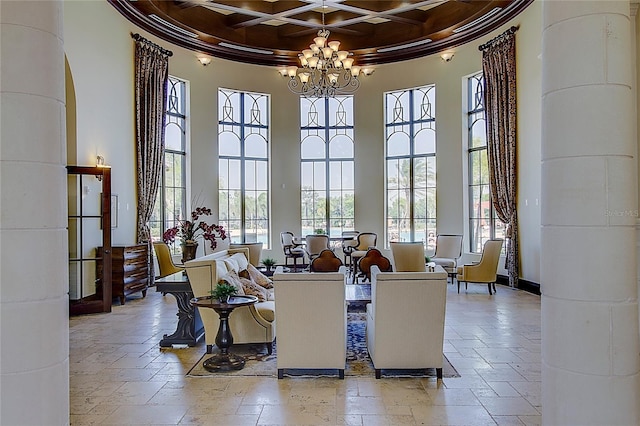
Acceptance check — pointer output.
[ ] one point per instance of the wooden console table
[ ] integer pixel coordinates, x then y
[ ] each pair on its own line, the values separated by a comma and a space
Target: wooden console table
190, 329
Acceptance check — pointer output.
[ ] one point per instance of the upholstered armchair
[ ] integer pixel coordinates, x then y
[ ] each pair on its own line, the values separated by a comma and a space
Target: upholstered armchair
166, 266
349, 241
255, 251
485, 271
312, 318
408, 256
290, 249
448, 251
407, 311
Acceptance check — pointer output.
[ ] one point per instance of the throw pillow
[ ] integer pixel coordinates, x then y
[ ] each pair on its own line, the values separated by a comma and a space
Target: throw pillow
232, 278
252, 289
258, 277
241, 260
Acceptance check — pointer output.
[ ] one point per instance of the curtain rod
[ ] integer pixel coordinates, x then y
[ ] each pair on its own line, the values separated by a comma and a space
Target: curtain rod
491, 42
138, 37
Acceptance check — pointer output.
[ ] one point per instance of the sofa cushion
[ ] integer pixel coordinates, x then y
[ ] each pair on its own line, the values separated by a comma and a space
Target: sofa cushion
267, 310
232, 264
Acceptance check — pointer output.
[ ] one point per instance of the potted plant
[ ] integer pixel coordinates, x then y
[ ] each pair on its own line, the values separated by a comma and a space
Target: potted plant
189, 230
223, 291
318, 231
268, 263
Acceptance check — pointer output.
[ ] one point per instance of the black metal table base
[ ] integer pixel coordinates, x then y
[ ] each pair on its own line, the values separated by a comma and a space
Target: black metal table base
224, 362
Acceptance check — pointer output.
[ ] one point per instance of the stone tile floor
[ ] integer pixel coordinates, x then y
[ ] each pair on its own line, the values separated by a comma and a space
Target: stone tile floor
120, 376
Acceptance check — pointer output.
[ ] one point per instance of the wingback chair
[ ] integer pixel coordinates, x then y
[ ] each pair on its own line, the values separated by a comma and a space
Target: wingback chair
166, 266
405, 320
485, 271
291, 249
448, 251
408, 256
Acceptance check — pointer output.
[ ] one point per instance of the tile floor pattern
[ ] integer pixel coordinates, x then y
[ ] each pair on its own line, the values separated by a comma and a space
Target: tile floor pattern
120, 376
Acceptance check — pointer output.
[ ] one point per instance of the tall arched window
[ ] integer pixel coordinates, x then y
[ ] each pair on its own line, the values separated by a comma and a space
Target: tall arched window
327, 175
172, 194
410, 135
243, 155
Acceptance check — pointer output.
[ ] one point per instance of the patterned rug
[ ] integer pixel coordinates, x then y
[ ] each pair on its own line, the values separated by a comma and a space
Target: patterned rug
260, 363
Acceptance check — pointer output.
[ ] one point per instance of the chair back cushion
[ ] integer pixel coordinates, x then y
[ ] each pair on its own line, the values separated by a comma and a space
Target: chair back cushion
366, 240
448, 246
408, 256
316, 243
374, 257
327, 261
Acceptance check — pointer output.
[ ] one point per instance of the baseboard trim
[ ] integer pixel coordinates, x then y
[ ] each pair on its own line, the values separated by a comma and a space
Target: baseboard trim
524, 285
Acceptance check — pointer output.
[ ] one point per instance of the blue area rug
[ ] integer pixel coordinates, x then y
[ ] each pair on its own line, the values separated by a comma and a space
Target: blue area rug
260, 363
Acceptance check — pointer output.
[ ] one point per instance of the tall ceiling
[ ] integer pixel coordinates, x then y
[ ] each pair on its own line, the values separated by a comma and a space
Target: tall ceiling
273, 32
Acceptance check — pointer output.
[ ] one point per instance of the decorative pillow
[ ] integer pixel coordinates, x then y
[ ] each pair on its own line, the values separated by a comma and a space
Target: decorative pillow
232, 264
253, 289
241, 260
244, 274
232, 278
258, 277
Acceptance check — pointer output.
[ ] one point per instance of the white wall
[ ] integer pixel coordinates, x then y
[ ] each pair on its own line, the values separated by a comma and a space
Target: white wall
101, 62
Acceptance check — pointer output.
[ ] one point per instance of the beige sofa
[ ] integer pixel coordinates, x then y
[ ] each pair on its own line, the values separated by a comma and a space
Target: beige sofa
248, 324
405, 319
312, 313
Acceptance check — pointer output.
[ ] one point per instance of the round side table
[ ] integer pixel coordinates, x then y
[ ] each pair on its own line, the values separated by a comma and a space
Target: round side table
224, 361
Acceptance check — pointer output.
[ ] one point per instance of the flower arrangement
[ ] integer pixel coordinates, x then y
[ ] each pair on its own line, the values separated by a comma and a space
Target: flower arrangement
189, 230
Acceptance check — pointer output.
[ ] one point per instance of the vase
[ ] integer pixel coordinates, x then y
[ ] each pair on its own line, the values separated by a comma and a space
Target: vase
189, 251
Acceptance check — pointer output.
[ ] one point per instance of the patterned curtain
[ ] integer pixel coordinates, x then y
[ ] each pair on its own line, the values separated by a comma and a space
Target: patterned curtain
499, 67
151, 76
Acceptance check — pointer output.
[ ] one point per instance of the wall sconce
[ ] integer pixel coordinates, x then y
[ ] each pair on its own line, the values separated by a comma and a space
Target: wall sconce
99, 163
447, 56
204, 60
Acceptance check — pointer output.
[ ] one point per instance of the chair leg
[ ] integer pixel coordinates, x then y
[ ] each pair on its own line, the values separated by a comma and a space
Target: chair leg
489, 285
270, 348
458, 286
378, 373
494, 288
280, 373
341, 374
439, 373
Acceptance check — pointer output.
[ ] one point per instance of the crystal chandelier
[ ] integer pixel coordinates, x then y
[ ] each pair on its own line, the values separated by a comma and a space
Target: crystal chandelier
325, 70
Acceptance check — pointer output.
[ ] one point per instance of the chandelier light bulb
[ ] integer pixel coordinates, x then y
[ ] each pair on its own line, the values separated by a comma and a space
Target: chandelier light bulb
327, 52
313, 61
304, 77
337, 64
307, 53
355, 70
303, 60
342, 55
333, 78
282, 71
347, 63
334, 45
292, 70
314, 48
320, 41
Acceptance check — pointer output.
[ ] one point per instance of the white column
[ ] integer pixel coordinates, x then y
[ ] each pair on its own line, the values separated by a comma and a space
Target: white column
34, 327
590, 342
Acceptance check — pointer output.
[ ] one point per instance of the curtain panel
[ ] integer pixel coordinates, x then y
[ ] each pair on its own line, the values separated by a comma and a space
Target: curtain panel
151, 79
499, 68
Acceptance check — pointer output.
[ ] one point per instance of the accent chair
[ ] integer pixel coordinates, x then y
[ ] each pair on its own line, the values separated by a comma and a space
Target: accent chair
315, 244
326, 261
448, 251
166, 266
485, 271
373, 257
365, 241
408, 256
290, 249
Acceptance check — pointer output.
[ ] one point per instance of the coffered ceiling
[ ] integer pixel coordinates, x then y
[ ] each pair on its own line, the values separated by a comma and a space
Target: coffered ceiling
273, 32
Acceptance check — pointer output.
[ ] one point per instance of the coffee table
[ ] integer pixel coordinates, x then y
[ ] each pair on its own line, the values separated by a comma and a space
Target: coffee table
224, 361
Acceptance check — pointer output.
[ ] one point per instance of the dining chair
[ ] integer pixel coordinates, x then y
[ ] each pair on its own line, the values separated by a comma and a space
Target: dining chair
349, 241
485, 271
315, 244
326, 261
291, 249
372, 257
365, 241
408, 256
166, 266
